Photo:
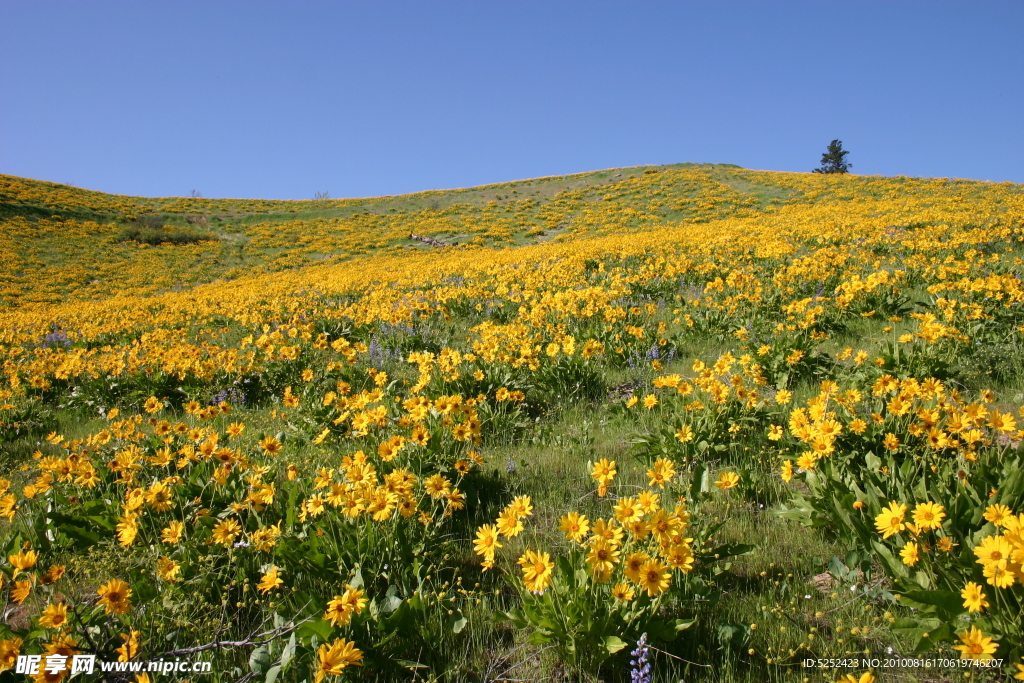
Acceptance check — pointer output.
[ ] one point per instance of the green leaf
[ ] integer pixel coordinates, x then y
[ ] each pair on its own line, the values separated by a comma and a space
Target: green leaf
458, 622
928, 641
259, 659
82, 538
696, 482
391, 600
540, 637
946, 600
292, 506
288, 652
613, 644
321, 628
682, 625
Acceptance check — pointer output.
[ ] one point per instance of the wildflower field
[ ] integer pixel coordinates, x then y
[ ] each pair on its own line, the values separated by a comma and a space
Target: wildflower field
688, 422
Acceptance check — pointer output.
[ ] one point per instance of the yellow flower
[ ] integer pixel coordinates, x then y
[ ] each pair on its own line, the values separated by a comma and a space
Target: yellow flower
130, 646
1003, 422
680, 556
575, 526
54, 616
437, 486
999, 575
609, 531
866, 677
787, 471
909, 553
509, 524
521, 507
727, 480
665, 526
974, 597
654, 577
650, 400
998, 514
53, 574
632, 565
225, 532
647, 501
891, 520
20, 591
928, 516
9, 651
114, 596
604, 471
335, 658
603, 557
342, 607
171, 535
270, 580
993, 550
775, 432
23, 561
975, 645
622, 591
270, 445
167, 569
486, 542
159, 497
537, 568
627, 510
663, 470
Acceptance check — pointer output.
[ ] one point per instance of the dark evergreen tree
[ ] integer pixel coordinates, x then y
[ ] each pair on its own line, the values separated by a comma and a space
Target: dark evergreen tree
834, 160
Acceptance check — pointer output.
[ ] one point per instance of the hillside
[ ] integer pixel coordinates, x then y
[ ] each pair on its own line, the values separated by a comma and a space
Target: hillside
746, 418
62, 243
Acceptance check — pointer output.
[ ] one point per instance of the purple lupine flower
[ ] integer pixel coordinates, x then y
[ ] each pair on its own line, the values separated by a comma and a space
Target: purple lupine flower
56, 338
376, 351
640, 669
229, 395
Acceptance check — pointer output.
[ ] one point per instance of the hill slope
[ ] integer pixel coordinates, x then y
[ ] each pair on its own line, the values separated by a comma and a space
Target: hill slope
62, 243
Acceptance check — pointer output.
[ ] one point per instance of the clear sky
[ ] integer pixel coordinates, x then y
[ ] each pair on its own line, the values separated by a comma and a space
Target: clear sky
286, 99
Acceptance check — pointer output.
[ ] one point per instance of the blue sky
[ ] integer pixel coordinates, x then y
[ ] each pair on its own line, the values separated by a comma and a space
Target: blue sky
286, 99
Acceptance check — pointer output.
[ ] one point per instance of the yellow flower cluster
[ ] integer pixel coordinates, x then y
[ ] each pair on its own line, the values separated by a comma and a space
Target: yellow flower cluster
1002, 555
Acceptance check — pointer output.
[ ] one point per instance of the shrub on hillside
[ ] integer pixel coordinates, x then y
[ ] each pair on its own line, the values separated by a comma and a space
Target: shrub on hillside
162, 235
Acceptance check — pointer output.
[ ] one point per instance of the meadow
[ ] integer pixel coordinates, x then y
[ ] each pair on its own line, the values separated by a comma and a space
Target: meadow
689, 422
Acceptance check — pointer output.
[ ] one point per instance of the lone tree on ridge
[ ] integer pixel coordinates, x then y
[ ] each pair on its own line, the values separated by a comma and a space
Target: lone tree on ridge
834, 160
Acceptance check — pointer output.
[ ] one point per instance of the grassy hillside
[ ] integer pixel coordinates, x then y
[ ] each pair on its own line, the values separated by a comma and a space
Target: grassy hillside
759, 417
63, 243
